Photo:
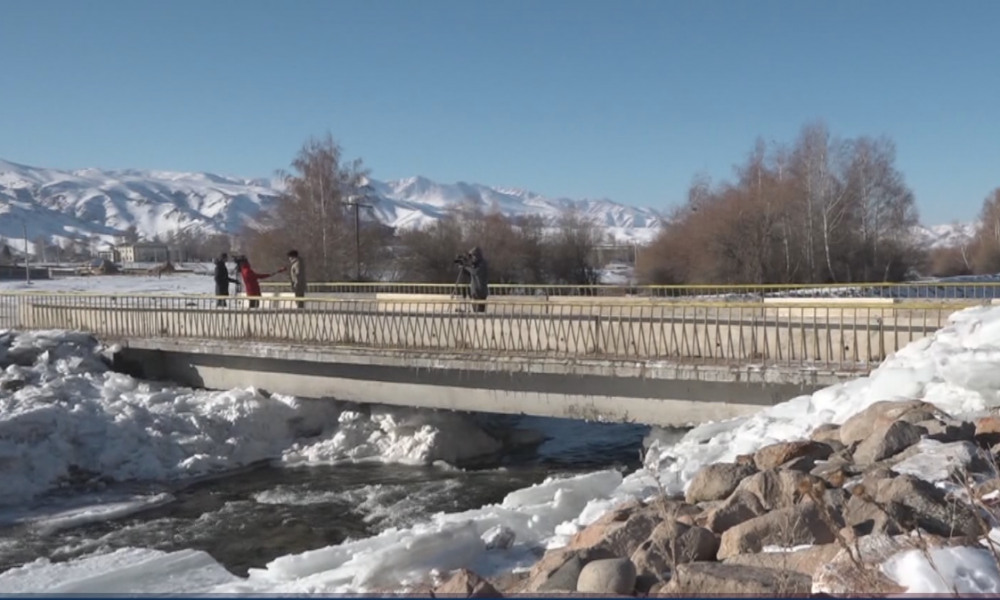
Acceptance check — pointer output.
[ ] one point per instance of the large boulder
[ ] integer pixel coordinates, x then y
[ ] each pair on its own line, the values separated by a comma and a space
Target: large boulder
939, 461
467, 584
930, 507
559, 570
835, 474
803, 464
721, 579
672, 543
948, 430
872, 478
864, 517
987, 433
741, 506
881, 414
826, 433
774, 455
717, 481
806, 560
801, 524
887, 441
607, 576
778, 488
619, 538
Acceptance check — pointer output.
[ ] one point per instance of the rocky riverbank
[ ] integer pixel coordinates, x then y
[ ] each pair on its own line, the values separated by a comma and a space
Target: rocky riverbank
818, 515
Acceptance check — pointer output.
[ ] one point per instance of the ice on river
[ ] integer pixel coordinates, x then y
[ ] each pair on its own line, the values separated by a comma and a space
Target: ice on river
66, 418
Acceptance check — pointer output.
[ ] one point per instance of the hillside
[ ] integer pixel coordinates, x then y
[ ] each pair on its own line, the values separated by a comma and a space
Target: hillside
88, 203
85, 203
951, 234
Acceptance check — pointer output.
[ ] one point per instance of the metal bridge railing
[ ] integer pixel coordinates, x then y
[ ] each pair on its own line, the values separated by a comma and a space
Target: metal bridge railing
975, 290
839, 337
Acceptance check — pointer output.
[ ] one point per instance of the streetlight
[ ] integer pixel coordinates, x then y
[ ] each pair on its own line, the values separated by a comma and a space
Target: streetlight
363, 187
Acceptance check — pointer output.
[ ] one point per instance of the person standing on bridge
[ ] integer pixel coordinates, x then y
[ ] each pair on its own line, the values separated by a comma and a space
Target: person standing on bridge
251, 280
222, 278
475, 265
297, 276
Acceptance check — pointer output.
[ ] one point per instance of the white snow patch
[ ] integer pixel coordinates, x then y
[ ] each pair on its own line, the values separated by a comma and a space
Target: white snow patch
963, 569
397, 435
956, 369
126, 571
936, 461
783, 549
75, 416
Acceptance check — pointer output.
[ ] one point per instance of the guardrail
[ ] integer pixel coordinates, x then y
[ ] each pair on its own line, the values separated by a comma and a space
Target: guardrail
813, 336
975, 290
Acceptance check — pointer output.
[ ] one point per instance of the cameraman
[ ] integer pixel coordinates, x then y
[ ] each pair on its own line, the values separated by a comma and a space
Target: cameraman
475, 265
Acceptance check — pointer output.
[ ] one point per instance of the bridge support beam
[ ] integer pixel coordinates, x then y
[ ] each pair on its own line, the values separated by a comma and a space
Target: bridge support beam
652, 393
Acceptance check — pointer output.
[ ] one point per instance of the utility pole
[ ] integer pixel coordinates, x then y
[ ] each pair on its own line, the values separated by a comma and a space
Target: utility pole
354, 201
27, 267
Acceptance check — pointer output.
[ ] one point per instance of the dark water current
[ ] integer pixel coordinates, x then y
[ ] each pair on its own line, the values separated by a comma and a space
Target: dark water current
247, 518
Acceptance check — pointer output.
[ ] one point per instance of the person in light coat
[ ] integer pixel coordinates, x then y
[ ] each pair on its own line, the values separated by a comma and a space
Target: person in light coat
297, 275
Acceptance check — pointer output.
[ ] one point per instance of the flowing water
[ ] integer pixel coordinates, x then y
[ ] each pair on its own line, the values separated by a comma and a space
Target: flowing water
247, 518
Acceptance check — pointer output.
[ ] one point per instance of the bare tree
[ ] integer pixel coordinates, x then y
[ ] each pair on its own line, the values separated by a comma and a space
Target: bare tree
825, 210
986, 243
427, 252
311, 215
571, 250
883, 208
131, 235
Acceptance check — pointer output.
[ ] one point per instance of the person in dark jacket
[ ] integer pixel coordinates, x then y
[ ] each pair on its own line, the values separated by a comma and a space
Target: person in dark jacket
297, 275
478, 269
222, 278
251, 280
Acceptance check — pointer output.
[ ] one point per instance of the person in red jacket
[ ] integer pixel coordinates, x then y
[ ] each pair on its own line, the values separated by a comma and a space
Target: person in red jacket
251, 280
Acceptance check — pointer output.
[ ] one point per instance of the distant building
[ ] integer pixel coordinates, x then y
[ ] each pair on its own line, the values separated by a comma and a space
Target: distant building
143, 252
109, 253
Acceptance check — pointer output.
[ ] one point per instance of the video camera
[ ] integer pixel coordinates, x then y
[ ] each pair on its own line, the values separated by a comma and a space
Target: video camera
462, 259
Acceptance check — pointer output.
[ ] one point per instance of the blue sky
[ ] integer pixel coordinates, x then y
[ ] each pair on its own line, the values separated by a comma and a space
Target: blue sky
622, 99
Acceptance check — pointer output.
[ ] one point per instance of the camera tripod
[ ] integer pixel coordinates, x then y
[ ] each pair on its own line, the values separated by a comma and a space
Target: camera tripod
458, 289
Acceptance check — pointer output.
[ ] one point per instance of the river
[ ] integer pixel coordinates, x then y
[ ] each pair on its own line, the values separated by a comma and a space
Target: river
246, 518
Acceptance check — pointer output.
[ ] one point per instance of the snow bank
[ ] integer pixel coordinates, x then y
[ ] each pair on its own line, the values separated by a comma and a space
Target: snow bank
65, 417
128, 570
178, 283
408, 436
447, 541
957, 369
962, 569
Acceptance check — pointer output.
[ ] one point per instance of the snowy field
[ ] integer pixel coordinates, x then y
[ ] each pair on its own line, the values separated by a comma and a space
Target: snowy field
181, 283
65, 408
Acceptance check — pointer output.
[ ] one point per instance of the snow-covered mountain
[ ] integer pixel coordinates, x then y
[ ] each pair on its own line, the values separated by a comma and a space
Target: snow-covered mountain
950, 234
90, 203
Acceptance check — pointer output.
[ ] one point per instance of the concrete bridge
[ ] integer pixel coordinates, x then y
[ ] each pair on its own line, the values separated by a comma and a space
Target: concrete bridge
658, 363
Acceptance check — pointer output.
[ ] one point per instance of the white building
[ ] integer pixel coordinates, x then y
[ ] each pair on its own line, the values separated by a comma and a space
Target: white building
144, 252
109, 253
